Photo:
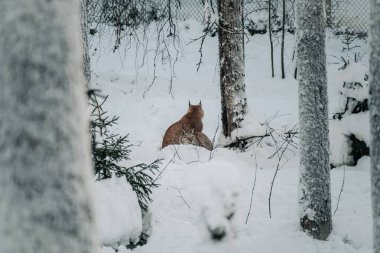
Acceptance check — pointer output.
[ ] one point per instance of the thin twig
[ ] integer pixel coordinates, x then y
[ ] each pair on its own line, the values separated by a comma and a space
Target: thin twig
162, 171
176, 148
180, 195
253, 188
341, 189
274, 178
213, 142
195, 161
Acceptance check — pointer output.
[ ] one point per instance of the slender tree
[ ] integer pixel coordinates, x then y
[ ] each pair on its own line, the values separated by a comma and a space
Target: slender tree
294, 58
270, 35
314, 188
374, 108
231, 59
283, 40
45, 162
86, 55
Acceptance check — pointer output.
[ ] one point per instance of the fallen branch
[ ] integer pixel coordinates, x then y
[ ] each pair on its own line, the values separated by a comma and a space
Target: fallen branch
244, 142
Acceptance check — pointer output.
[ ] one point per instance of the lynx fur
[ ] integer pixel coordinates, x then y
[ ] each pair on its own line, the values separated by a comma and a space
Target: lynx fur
188, 130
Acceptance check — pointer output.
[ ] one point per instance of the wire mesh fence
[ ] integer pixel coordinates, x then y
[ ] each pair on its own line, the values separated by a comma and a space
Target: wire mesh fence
350, 14
341, 15
191, 10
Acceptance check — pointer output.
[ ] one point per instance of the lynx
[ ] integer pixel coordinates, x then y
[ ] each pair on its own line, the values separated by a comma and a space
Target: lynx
188, 130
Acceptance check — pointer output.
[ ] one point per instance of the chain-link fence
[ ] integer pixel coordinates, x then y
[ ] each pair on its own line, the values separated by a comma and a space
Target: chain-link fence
341, 14
195, 9
191, 9
349, 14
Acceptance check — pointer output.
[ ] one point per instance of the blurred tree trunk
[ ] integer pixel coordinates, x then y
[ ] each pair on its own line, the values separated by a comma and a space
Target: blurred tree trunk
374, 108
45, 161
231, 59
314, 188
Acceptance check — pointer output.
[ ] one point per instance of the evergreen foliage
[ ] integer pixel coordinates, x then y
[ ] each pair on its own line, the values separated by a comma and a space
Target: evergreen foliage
110, 150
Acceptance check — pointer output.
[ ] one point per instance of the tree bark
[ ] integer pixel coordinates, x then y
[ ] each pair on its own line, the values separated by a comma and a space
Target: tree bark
45, 161
328, 13
86, 56
314, 188
231, 59
374, 108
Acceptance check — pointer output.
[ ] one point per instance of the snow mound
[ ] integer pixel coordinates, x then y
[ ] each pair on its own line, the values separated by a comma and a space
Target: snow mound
120, 249
339, 130
352, 82
353, 121
213, 187
118, 212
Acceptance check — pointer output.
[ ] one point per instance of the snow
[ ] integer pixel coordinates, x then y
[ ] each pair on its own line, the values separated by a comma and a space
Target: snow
252, 125
341, 129
212, 188
353, 82
119, 215
210, 14
120, 249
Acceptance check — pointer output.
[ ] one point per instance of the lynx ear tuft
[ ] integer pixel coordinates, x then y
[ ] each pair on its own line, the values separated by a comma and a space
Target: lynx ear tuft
189, 103
200, 102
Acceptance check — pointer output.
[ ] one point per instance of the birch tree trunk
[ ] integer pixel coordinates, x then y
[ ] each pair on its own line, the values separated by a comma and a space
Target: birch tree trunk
374, 110
314, 188
234, 102
86, 56
45, 163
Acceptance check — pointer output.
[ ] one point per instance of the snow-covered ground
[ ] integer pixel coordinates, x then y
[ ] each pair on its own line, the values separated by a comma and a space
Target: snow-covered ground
200, 191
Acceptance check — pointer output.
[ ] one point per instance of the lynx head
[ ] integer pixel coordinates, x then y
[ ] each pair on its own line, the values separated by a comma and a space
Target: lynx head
196, 109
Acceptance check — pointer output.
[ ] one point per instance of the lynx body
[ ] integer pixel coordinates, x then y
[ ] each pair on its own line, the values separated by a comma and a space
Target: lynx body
188, 130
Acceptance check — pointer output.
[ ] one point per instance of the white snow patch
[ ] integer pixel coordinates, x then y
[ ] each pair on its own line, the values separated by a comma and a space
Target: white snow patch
353, 82
120, 249
214, 189
118, 212
340, 130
